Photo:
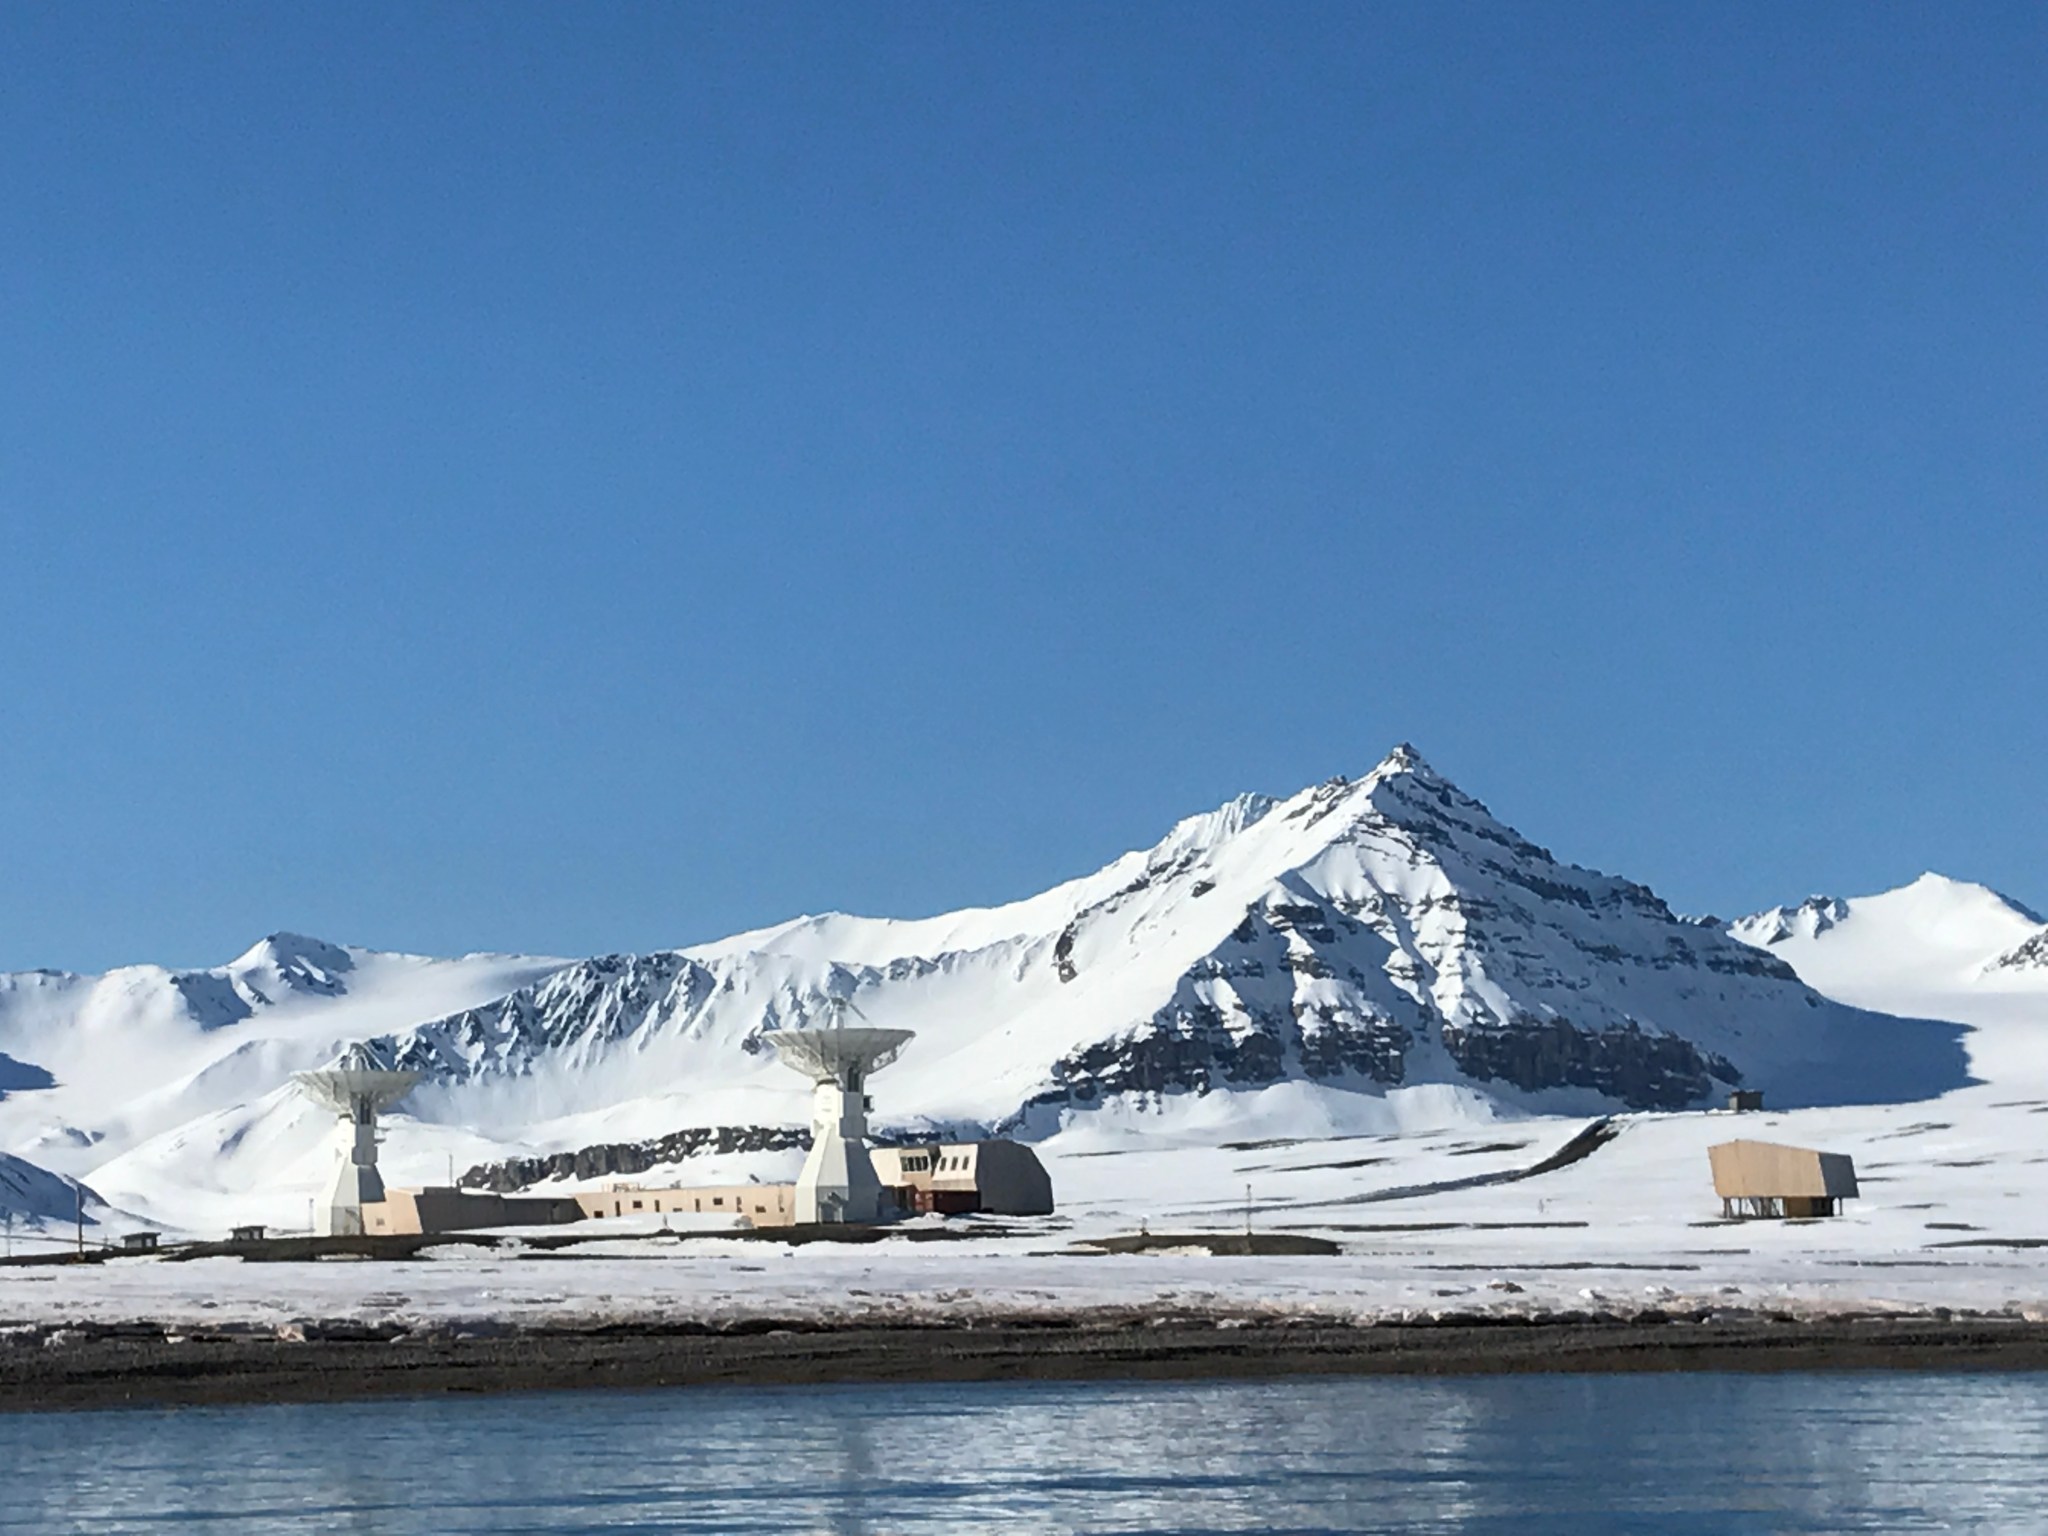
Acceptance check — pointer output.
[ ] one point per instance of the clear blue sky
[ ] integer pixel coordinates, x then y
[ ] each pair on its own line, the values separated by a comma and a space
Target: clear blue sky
576, 478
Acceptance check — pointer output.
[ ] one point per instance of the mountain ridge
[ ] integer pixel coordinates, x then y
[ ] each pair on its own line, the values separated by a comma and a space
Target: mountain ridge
1226, 955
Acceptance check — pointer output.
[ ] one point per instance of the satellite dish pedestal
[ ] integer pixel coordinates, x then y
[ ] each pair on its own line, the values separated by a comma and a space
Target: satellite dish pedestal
838, 1183
358, 1088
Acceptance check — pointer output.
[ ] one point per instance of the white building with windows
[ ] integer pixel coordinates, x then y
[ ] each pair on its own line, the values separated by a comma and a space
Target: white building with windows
1001, 1178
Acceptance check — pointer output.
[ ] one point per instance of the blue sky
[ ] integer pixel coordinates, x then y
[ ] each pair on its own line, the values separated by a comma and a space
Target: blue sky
584, 478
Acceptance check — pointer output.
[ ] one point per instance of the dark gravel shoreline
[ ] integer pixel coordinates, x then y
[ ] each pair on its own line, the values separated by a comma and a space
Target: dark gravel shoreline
140, 1365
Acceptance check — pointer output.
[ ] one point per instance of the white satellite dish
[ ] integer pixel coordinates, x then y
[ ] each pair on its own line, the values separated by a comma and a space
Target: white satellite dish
838, 1181
358, 1088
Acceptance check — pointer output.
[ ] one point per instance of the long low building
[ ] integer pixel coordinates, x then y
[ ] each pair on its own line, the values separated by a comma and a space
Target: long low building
405, 1212
1001, 1178
762, 1205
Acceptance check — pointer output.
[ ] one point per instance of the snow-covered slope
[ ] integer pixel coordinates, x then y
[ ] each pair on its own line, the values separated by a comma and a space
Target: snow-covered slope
32, 1198
1937, 949
1932, 939
93, 1065
1369, 954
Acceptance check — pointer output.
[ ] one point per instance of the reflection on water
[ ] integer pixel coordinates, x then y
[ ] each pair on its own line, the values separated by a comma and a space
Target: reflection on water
1583, 1454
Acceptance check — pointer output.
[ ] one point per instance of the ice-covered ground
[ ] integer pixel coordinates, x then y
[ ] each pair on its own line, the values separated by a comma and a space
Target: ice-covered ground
1949, 1185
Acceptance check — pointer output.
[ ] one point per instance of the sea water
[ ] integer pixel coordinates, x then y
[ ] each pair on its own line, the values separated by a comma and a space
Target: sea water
1582, 1454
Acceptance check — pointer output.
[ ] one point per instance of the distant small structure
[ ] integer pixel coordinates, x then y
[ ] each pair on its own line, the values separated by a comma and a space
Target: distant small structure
1745, 1101
1000, 1178
249, 1234
138, 1242
1764, 1179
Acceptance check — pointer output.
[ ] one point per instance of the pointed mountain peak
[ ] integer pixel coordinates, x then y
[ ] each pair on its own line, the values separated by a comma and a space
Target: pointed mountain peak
1405, 759
291, 962
1405, 763
362, 1056
284, 947
1401, 774
1406, 776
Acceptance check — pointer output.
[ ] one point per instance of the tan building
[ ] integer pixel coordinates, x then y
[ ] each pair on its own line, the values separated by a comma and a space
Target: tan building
762, 1205
1762, 1178
1001, 1178
406, 1212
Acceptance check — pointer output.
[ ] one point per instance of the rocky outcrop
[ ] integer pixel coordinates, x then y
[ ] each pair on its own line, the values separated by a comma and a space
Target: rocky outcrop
624, 1158
575, 1014
2027, 955
1809, 920
1639, 1068
22, 1076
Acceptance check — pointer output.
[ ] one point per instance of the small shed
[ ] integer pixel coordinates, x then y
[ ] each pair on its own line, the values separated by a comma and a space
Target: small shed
1745, 1101
251, 1234
1762, 1178
138, 1242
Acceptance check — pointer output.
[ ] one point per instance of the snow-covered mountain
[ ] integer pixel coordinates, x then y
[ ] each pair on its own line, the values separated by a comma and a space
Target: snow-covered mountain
1935, 949
1370, 935
1374, 947
32, 1198
1936, 944
93, 1065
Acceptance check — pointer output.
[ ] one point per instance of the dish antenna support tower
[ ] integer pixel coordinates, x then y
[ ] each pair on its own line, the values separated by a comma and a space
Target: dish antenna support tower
358, 1088
838, 1183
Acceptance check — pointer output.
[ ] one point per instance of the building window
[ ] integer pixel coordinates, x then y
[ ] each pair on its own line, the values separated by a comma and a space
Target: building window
636, 1205
718, 1199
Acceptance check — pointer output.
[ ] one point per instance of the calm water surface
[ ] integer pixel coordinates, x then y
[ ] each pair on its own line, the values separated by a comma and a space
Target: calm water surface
1583, 1454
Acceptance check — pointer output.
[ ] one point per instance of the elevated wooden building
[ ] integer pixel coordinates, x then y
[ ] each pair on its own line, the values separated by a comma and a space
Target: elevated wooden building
1762, 1178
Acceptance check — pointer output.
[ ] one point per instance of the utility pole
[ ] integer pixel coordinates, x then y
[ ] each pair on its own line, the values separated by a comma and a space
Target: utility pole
78, 1194
1247, 1210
